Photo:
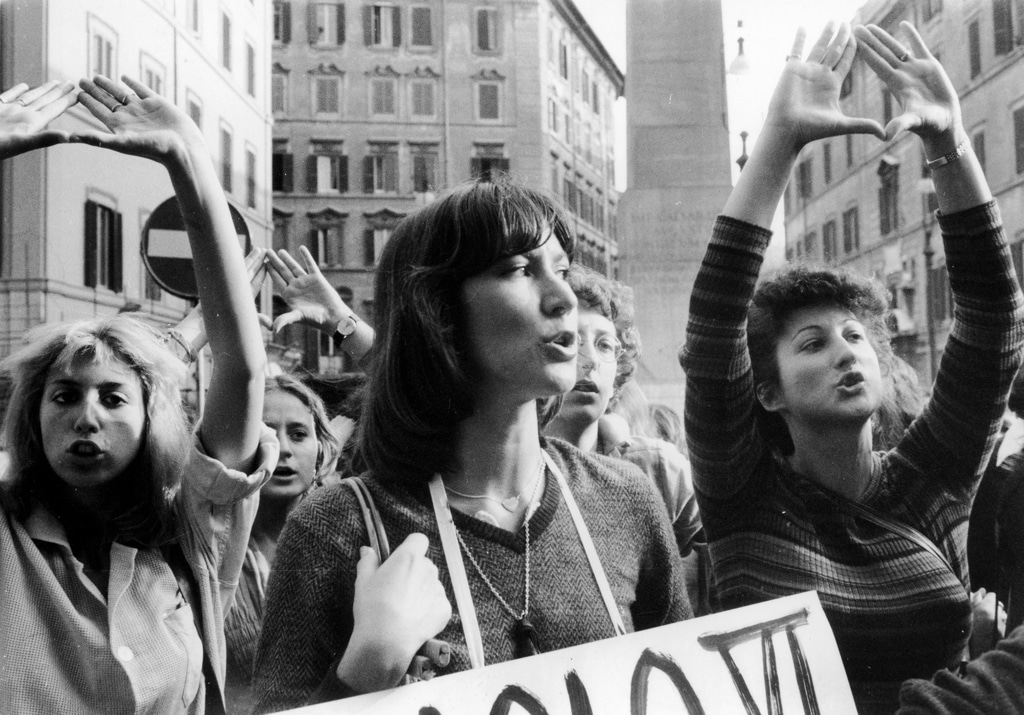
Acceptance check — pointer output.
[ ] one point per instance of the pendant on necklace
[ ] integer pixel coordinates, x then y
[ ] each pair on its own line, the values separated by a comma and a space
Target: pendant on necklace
524, 638
511, 503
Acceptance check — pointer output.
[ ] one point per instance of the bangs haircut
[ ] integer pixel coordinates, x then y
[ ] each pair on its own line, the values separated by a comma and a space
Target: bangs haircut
418, 388
806, 285
143, 515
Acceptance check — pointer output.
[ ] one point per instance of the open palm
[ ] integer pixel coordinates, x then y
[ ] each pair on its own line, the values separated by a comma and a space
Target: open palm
139, 121
25, 112
805, 104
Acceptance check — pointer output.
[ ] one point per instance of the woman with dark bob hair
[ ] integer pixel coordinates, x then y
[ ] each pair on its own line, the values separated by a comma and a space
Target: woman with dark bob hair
122, 537
476, 324
783, 383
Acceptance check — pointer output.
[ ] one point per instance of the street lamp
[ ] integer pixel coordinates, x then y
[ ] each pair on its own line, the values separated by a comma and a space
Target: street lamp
742, 160
926, 187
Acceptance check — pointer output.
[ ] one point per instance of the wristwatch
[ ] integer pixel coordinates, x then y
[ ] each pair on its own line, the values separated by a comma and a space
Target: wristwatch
346, 326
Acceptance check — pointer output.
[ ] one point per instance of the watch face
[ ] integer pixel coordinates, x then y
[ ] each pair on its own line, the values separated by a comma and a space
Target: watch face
346, 326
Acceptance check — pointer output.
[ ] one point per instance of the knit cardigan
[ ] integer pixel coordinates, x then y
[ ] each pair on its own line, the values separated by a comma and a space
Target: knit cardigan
308, 617
897, 610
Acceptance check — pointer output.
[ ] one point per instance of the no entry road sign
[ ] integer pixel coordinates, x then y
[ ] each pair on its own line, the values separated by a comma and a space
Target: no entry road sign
166, 252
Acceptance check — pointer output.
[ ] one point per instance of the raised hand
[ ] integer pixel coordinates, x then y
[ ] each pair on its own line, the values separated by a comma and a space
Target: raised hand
917, 80
303, 287
25, 112
805, 104
140, 121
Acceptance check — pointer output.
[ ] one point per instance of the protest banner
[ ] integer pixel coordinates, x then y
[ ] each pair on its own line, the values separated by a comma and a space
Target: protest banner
773, 657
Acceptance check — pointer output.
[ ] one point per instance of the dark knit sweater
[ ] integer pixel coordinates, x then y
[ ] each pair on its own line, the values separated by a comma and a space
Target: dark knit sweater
309, 602
992, 685
897, 611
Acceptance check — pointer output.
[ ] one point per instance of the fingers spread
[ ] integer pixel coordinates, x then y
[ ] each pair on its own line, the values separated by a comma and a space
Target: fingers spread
292, 264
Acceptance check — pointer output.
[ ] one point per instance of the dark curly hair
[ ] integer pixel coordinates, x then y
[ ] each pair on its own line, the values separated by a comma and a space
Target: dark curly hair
804, 285
613, 300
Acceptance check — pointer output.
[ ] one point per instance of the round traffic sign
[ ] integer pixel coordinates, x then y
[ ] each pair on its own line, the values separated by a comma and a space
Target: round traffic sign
166, 252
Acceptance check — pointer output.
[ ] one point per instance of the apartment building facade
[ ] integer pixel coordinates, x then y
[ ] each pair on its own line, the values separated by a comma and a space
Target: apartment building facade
71, 216
860, 202
380, 105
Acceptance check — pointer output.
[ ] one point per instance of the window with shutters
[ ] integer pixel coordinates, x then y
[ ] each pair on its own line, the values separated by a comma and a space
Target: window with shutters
804, 176
380, 169
250, 69
488, 101
382, 96
978, 142
226, 150
282, 22
811, 244
563, 59
192, 16
327, 168
225, 40
826, 161
974, 47
151, 72
851, 231
281, 167
373, 243
828, 241
1018, 138
327, 237
486, 25
103, 244
888, 197
326, 24
194, 108
382, 26
421, 27
487, 160
102, 48
282, 225
1002, 26
424, 167
250, 177
326, 94
279, 90
422, 98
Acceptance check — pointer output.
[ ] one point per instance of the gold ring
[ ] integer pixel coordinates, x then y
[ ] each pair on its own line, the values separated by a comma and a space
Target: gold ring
127, 98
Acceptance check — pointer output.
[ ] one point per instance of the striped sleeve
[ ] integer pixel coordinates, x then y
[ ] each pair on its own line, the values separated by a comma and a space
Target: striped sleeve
723, 441
955, 437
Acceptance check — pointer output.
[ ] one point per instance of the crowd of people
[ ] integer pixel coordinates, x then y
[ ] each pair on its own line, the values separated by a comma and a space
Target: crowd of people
239, 562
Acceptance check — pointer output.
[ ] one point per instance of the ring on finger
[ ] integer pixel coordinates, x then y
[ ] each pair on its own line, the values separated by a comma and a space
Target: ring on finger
904, 57
792, 57
22, 102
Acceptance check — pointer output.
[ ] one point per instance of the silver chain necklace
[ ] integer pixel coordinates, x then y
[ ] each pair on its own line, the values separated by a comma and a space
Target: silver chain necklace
509, 504
524, 639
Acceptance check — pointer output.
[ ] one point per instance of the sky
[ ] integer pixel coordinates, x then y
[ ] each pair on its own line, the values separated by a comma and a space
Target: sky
768, 30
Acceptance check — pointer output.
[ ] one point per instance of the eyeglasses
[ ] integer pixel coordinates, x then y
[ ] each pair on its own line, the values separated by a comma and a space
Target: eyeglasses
605, 348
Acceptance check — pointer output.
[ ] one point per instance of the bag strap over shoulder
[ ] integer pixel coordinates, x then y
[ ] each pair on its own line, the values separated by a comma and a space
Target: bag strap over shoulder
371, 517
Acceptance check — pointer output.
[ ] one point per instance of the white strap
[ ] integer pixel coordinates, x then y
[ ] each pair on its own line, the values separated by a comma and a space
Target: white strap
457, 571
588, 547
